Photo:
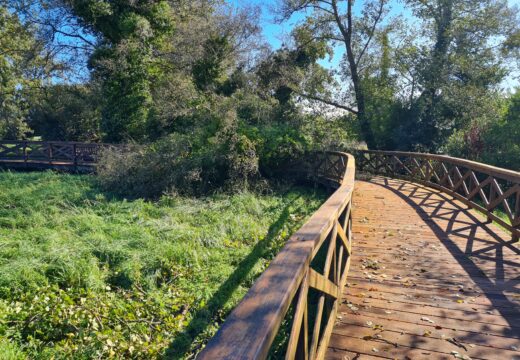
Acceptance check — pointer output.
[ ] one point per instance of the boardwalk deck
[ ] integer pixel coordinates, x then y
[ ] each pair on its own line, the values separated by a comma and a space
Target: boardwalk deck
429, 279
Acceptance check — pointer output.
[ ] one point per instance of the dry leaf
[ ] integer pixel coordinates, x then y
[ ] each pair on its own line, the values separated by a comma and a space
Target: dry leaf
424, 318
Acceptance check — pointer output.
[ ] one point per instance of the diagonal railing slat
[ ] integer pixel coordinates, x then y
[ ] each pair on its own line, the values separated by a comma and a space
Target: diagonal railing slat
489, 188
250, 329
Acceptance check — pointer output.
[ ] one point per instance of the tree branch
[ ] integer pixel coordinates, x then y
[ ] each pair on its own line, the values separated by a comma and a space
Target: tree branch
328, 102
372, 30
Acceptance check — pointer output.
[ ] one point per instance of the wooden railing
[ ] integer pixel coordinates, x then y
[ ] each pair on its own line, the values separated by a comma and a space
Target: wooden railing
303, 284
491, 190
49, 154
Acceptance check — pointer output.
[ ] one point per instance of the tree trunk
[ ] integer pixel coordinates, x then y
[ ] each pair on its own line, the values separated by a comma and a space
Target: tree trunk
364, 122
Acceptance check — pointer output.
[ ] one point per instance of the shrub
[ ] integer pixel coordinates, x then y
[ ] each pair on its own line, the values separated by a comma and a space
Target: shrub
227, 144
491, 140
215, 156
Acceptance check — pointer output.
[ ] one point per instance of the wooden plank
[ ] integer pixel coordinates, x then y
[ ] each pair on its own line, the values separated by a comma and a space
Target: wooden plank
399, 345
431, 233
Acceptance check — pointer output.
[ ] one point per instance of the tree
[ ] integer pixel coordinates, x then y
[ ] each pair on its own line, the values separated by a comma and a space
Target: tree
455, 67
124, 61
334, 21
21, 72
67, 113
501, 145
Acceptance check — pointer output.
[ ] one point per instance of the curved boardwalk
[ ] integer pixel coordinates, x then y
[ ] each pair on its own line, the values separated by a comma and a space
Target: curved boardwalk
429, 279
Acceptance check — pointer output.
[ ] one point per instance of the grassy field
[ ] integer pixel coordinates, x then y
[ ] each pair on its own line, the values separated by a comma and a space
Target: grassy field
86, 275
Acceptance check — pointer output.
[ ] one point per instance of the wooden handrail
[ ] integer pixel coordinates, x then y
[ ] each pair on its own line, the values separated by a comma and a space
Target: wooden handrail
250, 329
483, 187
50, 154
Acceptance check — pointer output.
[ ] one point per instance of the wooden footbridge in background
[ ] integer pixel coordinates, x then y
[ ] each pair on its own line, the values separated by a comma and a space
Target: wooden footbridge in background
58, 155
418, 259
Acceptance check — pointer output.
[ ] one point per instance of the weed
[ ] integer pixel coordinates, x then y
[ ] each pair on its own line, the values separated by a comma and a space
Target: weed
84, 274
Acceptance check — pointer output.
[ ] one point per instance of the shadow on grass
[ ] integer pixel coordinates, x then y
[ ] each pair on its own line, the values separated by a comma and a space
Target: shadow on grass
203, 317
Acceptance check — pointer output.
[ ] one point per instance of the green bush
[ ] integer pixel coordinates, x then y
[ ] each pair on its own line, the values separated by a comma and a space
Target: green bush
491, 140
502, 140
229, 145
175, 164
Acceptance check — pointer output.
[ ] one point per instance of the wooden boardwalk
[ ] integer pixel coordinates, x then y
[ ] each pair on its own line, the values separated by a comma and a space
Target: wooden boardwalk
429, 279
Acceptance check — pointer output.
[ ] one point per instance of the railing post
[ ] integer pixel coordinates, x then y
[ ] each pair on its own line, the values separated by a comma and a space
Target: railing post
516, 218
24, 152
49, 152
75, 157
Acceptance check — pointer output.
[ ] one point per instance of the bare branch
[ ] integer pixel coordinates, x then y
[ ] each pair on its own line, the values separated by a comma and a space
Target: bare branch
326, 101
372, 30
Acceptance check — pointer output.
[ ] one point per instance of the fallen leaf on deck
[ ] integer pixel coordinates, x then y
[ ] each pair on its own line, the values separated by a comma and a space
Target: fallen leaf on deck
456, 342
352, 307
424, 318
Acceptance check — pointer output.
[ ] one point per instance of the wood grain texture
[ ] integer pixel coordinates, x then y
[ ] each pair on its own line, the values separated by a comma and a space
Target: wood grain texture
428, 277
250, 329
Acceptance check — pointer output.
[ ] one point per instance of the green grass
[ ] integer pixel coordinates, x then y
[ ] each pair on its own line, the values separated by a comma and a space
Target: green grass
86, 275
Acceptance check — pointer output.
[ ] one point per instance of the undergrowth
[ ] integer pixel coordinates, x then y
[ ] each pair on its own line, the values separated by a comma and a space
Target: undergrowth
84, 274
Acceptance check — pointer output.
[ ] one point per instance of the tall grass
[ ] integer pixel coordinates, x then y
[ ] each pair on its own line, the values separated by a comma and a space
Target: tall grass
84, 274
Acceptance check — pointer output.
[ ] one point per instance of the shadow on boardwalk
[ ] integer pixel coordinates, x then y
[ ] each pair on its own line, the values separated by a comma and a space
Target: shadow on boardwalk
429, 279
463, 223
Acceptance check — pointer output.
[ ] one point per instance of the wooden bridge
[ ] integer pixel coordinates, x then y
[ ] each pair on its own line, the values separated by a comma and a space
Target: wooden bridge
59, 155
417, 260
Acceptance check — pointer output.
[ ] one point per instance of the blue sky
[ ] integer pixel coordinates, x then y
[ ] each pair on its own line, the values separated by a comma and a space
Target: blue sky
274, 33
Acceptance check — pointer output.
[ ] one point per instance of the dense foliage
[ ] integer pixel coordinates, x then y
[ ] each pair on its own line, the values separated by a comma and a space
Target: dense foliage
87, 275
204, 106
200, 73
